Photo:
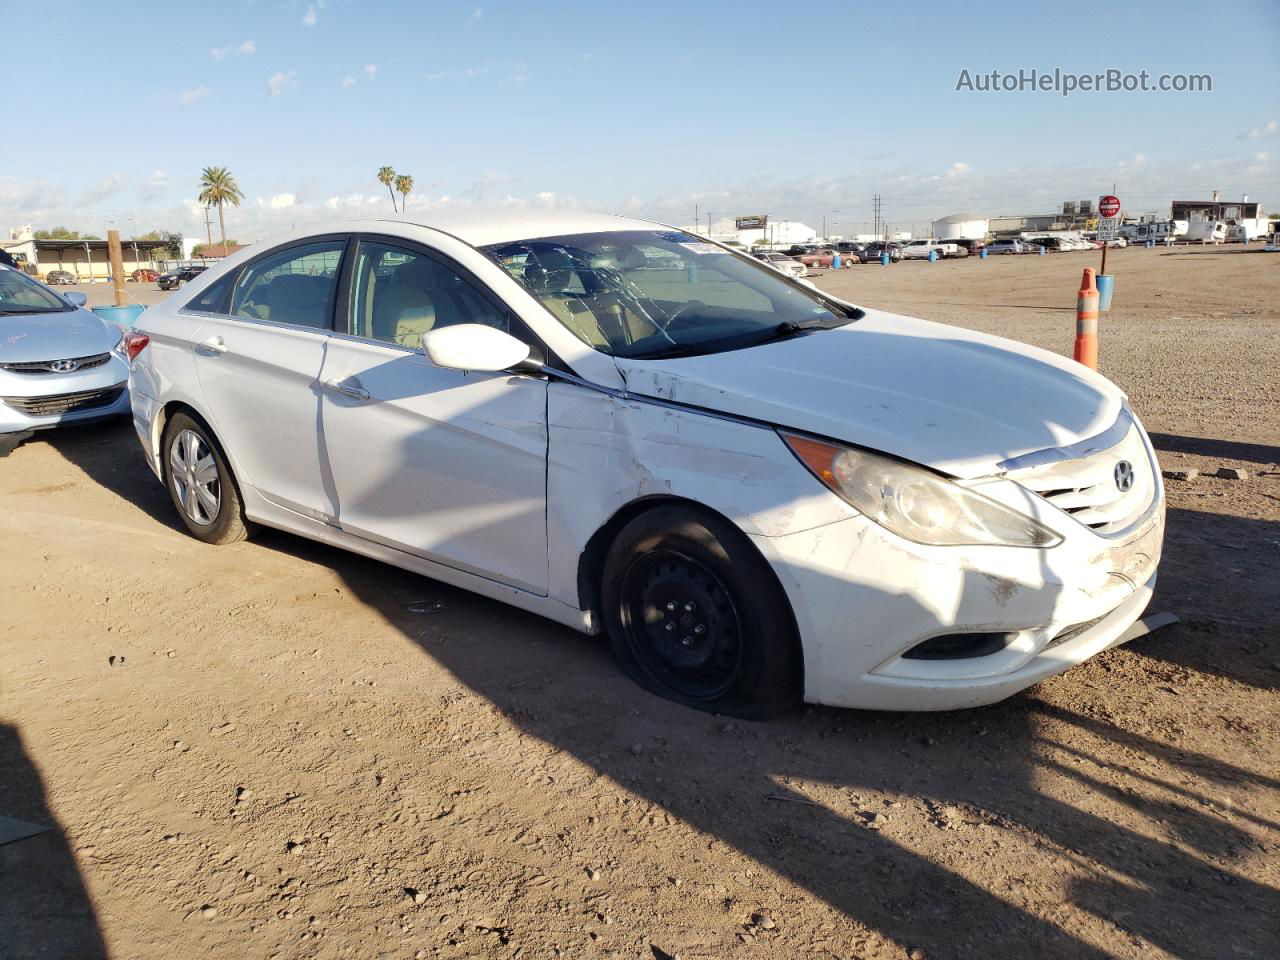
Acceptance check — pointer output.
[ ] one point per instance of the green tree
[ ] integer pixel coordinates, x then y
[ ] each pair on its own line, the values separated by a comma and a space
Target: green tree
218, 188
387, 176
404, 184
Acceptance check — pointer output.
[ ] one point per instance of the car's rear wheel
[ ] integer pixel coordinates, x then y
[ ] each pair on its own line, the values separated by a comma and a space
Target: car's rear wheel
696, 615
201, 484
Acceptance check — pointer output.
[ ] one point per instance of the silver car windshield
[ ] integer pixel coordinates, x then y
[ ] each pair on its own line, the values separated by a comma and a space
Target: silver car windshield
663, 293
20, 294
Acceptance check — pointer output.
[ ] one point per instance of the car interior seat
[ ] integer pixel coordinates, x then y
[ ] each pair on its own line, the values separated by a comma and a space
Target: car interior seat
403, 306
550, 274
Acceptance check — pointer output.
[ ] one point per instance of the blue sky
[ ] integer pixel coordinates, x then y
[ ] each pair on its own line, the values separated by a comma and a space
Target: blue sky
739, 107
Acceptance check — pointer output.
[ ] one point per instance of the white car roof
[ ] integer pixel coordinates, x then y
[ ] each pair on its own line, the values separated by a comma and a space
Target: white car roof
480, 227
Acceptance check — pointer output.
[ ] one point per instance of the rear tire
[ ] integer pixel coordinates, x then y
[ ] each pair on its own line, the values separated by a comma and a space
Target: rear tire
200, 483
696, 615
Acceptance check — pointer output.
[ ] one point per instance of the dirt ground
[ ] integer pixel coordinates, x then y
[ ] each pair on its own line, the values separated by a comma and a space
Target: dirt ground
261, 751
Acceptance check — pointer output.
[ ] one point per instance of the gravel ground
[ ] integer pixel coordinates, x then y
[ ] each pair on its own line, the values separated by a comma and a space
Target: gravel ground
259, 751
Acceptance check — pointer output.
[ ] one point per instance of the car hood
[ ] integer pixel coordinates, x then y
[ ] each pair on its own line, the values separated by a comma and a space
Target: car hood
949, 398
54, 336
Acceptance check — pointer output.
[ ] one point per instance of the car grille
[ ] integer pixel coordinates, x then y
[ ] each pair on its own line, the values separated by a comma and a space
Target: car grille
46, 366
58, 404
1086, 488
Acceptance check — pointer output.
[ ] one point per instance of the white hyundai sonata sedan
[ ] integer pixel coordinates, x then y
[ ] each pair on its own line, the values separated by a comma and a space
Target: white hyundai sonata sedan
762, 494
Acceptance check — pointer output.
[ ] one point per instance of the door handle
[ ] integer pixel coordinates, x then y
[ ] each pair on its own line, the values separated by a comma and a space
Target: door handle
211, 345
350, 388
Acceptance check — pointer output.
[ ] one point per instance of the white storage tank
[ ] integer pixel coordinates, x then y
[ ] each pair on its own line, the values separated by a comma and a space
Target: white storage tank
962, 226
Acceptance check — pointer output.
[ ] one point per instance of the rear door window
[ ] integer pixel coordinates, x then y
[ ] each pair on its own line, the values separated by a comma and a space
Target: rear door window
296, 285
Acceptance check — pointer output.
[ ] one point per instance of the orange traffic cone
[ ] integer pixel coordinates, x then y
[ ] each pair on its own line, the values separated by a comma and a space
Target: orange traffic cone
1087, 321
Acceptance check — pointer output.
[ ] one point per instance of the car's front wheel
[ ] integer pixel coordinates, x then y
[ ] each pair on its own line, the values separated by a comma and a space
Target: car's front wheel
201, 484
696, 615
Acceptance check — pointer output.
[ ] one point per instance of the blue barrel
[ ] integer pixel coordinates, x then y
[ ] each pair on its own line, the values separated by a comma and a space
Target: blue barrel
836, 262
1043, 251
884, 259
1151, 241
125, 316
933, 256
982, 254
1106, 283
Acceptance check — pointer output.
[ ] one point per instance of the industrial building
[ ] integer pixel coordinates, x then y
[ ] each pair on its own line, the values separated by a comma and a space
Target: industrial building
962, 226
1243, 219
774, 233
87, 259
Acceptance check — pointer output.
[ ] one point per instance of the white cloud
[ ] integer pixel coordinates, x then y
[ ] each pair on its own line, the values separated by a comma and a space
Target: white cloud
1269, 129
309, 18
958, 169
348, 81
370, 70
280, 82
248, 47
106, 187
189, 97
282, 200
1139, 159
155, 186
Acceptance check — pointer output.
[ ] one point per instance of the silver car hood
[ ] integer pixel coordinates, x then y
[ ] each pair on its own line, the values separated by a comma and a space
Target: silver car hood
30, 337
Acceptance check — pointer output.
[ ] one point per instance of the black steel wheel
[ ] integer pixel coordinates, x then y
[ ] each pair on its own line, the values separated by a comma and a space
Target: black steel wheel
696, 615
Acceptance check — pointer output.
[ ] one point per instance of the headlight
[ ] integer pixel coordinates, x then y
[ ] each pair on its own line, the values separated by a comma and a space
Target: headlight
118, 349
914, 503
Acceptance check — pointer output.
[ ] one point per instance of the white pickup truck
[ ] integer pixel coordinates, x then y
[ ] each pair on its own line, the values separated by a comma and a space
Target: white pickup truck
920, 249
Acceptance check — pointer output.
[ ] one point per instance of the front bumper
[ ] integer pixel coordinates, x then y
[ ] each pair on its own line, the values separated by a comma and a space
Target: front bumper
863, 598
42, 401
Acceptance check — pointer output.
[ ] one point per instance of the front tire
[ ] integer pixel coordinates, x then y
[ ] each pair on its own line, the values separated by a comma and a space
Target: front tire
201, 484
696, 615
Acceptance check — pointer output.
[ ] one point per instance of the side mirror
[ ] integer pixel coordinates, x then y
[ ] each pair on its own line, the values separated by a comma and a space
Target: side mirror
473, 346
75, 298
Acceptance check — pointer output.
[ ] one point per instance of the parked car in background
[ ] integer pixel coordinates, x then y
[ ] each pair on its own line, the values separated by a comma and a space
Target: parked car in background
176, 278
56, 277
1051, 244
800, 249
516, 404
825, 257
144, 275
920, 250
59, 363
1013, 245
1118, 242
782, 263
872, 252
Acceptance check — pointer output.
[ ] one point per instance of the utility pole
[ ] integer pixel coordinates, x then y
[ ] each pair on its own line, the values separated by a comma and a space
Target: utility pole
117, 265
208, 227
695, 218
875, 215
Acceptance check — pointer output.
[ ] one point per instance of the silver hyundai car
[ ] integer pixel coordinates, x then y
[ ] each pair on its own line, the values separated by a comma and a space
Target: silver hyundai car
59, 363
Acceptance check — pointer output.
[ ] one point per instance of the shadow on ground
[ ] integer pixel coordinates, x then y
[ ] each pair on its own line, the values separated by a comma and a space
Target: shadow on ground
1160, 868
45, 909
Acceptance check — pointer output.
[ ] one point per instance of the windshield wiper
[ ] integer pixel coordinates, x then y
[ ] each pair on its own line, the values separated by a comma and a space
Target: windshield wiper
792, 328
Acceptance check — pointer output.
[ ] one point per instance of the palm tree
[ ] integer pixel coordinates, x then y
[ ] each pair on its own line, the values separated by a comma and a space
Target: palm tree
387, 176
219, 187
404, 184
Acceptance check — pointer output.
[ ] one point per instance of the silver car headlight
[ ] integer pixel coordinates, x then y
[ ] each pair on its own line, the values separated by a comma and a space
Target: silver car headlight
915, 504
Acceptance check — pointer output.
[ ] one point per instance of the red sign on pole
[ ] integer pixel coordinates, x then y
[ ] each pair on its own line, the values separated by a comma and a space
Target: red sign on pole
1108, 206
